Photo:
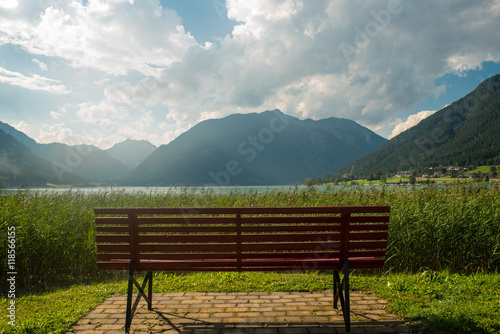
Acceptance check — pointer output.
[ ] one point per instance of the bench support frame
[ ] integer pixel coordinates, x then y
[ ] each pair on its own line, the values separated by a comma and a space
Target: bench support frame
341, 292
148, 279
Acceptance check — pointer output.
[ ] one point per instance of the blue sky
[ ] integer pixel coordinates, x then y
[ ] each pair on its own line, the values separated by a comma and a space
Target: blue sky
99, 72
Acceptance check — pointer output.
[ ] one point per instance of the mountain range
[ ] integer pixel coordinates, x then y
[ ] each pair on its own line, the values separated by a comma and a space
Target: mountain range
23, 160
267, 148
241, 149
466, 132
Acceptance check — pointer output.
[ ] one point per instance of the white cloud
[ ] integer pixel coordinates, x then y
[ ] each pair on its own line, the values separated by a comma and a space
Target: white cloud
42, 65
292, 59
35, 82
410, 122
9, 4
56, 115
115, 37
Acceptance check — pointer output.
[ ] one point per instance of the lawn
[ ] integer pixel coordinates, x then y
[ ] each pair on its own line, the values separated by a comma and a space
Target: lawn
433, 302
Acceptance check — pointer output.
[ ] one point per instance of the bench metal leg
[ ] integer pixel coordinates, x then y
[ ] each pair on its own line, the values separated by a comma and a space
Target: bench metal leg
128, 316
148, 279
341, 292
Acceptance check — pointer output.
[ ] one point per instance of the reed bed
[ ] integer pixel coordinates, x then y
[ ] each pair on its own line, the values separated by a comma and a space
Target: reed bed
454, 228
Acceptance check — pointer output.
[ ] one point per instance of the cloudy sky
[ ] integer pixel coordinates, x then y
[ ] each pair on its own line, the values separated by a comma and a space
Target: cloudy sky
101, 71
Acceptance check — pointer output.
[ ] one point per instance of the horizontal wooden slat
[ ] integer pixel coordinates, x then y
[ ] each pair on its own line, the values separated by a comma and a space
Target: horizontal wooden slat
112, 256
232, 255
295, 246
113, 238
289, 228
187, 238
247, 210
290, 219
369, 219
186, 220
107, 228
207, 248
281, 237
109, 248
187, 229
111, 220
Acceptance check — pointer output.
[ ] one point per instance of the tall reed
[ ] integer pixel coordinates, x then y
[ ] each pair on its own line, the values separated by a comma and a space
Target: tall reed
454, 227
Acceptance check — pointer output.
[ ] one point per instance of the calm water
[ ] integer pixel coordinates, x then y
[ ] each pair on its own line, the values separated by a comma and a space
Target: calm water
191, 189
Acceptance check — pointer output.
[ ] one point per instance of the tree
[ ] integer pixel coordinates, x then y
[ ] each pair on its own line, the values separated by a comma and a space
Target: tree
493, 171
412, 179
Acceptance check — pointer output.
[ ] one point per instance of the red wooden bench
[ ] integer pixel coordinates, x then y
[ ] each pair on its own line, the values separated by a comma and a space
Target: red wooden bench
241, 239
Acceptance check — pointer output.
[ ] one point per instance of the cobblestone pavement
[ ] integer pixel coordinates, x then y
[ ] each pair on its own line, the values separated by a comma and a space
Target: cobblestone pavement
242, 313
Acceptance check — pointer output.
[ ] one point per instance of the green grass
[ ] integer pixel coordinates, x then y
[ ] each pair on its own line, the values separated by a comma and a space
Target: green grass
55, 312
443, 302
481, 169
434, 302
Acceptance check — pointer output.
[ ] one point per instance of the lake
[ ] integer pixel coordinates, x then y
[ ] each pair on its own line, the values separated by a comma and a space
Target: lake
195, 189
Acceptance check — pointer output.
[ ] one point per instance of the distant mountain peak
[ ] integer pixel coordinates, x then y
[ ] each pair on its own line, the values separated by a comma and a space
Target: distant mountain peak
255, 149
131, 152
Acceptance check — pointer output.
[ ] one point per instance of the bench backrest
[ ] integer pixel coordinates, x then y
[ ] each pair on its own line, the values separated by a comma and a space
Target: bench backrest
241, 239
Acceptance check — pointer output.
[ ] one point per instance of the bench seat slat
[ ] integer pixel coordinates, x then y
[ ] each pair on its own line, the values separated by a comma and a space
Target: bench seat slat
228, 238
111, 220
187, 229
187, 220
108, 228
289, 228
112, 238
290, 219
369, 219
271, 265
208, 248
110, 248
296, 246
281, 237
231, 255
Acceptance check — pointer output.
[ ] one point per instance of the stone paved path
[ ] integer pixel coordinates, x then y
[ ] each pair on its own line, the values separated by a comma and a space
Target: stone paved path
242, 313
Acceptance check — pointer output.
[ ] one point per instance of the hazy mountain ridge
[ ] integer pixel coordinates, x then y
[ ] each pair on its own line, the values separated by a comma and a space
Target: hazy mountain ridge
68, 164
131, 152
19, 166
467, 132
255, 149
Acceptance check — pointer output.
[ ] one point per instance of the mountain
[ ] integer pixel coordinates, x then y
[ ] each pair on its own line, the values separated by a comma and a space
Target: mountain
18, 135
268, 148
86, 161
467, 132
131, 152
19, 166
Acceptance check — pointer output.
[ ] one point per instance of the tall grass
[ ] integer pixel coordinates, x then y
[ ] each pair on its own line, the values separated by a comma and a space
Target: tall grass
455, 228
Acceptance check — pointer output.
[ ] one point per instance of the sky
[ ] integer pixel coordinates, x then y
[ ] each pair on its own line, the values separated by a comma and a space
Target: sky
99, 72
